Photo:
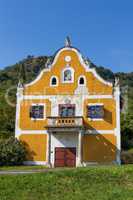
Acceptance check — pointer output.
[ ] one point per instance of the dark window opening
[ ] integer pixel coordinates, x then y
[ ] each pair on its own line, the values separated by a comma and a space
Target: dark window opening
54, 81
81, 81
95, 112
66, 110
37, 112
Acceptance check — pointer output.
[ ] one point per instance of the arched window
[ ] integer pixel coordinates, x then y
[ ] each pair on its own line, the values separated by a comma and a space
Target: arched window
53, 81
82, 80
68, 75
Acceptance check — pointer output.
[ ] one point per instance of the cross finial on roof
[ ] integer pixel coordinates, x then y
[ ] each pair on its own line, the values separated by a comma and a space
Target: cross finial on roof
67, 42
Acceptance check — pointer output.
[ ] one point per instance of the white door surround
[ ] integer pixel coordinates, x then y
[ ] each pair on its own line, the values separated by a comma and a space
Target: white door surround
63, 139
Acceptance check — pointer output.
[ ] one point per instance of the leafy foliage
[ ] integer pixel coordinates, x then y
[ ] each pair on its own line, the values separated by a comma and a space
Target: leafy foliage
127, 157
12, 152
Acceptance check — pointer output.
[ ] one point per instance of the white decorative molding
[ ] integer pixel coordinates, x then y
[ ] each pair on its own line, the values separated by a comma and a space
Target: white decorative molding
68, 58
100, 96
85, 164
100, 131
38, 77
118, 131
95, 104
71, 96
79, 151
34, 132
93, 70
63, 140
95, 119
19, 99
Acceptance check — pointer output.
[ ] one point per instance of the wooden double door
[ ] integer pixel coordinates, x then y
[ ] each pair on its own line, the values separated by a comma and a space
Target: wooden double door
65, 156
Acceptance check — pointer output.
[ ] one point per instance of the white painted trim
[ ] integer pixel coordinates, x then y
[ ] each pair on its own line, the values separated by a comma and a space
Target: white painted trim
44, 110
38, 77
72, 74
93, 70
82, 76
48, 149
34, 132
79, 151
100, 96
100, 132
38, 104
53, 96
61, 140
95, 119
118, 131
87, 132
85, 164
35, 163
57, 81
19, 96
37, 119
95, 104
87, 68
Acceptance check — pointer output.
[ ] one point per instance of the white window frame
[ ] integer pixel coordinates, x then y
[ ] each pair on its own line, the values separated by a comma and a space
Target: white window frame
57, 81
44, 109
72, 73
82, 76
95, 104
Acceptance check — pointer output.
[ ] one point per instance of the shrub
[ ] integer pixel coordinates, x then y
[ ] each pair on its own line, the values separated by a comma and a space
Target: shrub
127, 157
12, 152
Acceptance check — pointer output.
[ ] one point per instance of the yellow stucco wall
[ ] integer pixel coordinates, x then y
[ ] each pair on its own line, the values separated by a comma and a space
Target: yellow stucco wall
36, 145
99, 148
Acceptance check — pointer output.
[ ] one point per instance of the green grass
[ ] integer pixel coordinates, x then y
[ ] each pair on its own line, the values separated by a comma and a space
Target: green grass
92, 183
15, 168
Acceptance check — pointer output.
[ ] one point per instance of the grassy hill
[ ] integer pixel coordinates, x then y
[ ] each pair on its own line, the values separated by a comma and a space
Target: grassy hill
92, 183
29, 68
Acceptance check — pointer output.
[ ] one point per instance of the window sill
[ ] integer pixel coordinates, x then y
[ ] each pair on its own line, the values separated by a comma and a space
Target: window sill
37, 119
95, 119
53, 85
67, 81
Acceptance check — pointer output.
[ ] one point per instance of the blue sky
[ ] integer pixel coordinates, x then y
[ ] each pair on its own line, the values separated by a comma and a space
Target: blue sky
101, 29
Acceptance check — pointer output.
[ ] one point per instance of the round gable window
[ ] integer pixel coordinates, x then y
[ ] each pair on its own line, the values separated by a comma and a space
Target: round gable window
67, 58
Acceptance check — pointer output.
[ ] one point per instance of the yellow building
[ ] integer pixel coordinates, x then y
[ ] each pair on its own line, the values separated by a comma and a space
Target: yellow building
69, 115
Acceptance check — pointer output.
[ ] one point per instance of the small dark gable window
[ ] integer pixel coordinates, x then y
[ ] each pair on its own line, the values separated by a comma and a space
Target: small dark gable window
81, 81
37, 112
95, 111
54, 81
